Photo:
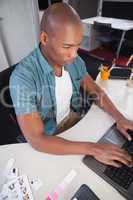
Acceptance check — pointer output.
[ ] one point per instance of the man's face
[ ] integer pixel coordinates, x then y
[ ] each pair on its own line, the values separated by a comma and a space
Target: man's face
62, 44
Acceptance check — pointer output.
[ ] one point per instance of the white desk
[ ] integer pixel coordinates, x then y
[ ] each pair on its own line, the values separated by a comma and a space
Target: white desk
52, 169
120, 24
120, 94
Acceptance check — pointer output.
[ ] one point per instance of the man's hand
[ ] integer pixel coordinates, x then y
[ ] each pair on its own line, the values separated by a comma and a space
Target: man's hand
123, 125
111, 154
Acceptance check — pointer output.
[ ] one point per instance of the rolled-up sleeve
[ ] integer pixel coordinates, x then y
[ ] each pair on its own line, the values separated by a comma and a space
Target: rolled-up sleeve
23, 93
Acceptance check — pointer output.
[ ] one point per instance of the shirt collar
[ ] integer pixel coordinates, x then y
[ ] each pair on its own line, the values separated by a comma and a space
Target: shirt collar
44, 64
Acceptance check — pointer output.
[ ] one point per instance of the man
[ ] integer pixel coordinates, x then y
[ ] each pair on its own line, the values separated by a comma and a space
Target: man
45, 88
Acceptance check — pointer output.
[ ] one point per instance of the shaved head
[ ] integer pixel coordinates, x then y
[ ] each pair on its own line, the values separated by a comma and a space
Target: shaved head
59, 14
61, 34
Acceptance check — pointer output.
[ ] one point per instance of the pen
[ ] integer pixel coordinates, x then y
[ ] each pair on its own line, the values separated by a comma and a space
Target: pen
60, 188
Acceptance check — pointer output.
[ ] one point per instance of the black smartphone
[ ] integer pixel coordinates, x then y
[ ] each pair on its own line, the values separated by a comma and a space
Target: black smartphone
84, 193
120, 73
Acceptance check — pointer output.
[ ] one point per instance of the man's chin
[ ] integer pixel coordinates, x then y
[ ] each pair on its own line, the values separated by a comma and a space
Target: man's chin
69, 61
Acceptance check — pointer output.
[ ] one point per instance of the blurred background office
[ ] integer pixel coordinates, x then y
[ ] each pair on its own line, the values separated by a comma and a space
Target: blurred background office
19, 27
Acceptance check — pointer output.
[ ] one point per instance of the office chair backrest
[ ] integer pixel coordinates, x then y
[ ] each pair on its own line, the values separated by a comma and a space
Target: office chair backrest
8, 123
5, 99
104, 33
102, 28
100, 24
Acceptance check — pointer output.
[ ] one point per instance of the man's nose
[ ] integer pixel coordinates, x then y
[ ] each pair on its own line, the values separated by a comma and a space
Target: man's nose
72, 53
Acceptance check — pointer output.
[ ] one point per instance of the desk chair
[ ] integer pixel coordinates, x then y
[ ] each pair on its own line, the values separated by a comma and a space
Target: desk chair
10, 131
104, 34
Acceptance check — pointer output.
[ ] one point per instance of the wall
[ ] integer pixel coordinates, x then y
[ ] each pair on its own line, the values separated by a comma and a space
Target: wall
19, 30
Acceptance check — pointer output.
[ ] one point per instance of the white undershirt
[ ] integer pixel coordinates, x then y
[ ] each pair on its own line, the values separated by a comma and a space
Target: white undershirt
63, 94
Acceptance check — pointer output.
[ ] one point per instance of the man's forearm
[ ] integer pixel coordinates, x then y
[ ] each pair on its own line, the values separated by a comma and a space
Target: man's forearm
33, 129
100, 98
107, 105
60, 146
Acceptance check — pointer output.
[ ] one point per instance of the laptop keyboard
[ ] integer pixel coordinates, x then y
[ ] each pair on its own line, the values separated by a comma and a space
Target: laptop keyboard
123, 176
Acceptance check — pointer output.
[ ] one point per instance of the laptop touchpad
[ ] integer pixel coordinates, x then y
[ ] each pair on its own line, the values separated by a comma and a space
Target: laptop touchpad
113, 136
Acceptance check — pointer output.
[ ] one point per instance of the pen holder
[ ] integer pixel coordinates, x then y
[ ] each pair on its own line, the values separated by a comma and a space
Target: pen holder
104, 73
130, 81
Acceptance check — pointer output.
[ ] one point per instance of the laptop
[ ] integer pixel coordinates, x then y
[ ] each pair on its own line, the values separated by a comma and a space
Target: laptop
120, 178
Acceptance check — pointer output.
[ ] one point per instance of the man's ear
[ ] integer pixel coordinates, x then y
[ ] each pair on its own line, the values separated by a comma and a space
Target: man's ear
43, 37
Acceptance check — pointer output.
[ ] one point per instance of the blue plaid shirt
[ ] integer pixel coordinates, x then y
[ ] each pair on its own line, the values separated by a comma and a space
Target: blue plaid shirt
32, 87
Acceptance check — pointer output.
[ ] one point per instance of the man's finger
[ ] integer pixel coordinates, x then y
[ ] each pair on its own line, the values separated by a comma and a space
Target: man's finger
123, 158
114, 163
123, 153
130, 125
125, 133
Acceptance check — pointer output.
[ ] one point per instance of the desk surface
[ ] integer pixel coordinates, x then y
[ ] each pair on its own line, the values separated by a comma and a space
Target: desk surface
121, 24
51, 169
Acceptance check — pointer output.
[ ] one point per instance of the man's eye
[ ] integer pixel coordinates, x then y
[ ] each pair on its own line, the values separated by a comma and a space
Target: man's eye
66, 47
